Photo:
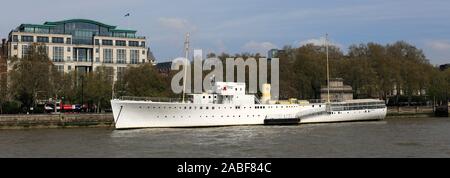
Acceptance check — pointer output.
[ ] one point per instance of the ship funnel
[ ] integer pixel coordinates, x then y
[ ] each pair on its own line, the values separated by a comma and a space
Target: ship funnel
265, 99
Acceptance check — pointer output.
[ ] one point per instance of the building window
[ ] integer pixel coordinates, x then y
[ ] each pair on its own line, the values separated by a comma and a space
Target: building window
58, 54
133, 43
68, 58
15, 38
42, 39
143, 52
27, 39
69, 68
97, 42
57, 40
69, 41
107, 42
134, 56
97, 59
96, 50
24, 50
60, 68
143, 44
69, 49
107, 55
15, 47
121, 56
43, 49
121, 43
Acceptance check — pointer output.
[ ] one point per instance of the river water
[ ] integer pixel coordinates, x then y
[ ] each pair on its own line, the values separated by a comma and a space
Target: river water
405, 137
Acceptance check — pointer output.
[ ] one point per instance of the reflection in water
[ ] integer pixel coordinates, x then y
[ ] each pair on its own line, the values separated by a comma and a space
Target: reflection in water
426, 137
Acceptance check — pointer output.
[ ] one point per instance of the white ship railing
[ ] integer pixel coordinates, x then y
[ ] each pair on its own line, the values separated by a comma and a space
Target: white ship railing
155, 99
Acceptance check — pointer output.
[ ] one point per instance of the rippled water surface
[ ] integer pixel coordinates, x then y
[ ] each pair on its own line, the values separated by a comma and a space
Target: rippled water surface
406, 137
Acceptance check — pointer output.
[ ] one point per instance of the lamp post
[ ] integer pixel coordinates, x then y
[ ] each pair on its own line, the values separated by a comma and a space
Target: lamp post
82, 90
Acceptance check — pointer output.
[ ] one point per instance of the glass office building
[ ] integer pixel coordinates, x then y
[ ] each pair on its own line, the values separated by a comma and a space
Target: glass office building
81, 44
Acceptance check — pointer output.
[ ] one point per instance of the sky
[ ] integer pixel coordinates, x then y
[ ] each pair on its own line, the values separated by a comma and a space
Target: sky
235, 26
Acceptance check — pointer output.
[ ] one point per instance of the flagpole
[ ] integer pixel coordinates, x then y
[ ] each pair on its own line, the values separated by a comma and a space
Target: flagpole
186, 45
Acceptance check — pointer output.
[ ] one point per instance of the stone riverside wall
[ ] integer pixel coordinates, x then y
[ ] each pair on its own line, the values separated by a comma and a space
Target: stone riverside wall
55, 121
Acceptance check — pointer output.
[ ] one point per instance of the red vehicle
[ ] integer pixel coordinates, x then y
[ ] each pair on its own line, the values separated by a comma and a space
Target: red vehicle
50, 107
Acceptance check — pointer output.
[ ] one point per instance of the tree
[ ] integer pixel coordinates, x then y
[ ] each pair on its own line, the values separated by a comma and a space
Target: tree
143, 81
99, 87
32, 75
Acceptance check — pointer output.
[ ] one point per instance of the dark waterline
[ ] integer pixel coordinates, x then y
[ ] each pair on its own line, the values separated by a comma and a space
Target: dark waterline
406, 137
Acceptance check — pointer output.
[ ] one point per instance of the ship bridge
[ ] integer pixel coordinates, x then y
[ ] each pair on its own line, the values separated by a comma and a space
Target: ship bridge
225, 93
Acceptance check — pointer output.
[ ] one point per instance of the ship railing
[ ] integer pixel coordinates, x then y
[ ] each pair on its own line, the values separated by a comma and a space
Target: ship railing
156, 99
322, 101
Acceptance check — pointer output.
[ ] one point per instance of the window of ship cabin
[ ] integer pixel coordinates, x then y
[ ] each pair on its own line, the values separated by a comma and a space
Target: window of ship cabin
207, 107
236, 89
209, 97
204, 97
201, 107
212, 107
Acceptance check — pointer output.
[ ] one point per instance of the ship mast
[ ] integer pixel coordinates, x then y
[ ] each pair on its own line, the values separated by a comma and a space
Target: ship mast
328, 70
186, 50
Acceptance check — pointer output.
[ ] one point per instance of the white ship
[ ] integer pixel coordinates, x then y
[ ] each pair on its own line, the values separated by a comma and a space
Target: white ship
228, 104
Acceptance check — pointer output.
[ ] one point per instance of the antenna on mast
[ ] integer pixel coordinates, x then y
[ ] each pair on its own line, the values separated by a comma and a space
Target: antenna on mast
186, 50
